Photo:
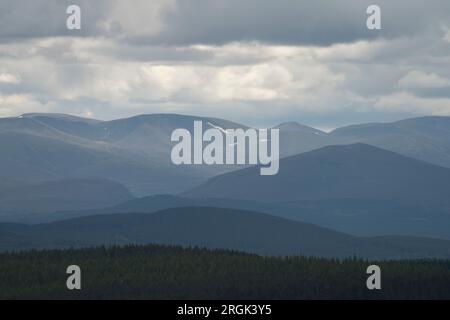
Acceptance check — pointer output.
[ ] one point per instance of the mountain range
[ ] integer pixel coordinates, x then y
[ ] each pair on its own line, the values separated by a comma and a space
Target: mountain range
359, 217
216, 228
365, 180
134, 151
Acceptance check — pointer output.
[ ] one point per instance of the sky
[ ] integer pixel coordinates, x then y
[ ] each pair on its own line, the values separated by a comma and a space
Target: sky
257, 62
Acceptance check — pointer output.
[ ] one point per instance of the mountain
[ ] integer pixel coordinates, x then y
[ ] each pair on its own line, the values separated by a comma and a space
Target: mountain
360, 217
425, 138
133, 151
66, 194
215, 228
33, 158
337, 187
149, 134
296, 138
146, 204
356, 171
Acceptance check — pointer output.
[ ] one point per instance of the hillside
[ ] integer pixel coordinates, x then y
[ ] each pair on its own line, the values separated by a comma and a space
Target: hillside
133, 151
356, 171
216, 228
360, 217
296, 138
425, 138
157, 272
56, 195
136, 151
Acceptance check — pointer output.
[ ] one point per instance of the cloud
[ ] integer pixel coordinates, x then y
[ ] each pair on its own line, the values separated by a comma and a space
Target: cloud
321, 22
251, 61
446, 36
139, 18
407, 102
9, 78
419, 79
188, 22
18, 104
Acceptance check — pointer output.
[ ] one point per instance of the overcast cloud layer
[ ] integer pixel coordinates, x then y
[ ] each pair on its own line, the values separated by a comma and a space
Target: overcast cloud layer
255, 61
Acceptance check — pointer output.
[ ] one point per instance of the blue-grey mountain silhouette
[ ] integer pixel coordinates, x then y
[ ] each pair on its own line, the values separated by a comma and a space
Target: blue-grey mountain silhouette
216, 228
133, 151
426, 138
358, 171
32, 200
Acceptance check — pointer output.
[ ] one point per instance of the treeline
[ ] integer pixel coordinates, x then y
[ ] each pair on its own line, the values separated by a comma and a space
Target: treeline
164, 272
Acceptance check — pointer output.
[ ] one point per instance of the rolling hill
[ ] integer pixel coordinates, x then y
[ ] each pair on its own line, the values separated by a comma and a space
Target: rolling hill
360, 217
215, 228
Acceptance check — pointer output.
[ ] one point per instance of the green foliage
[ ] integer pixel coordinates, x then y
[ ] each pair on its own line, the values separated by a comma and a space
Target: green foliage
164, 272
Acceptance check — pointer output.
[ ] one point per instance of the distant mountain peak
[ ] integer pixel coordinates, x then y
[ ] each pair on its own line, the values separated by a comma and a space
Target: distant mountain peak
295, 126
57, 116
335, 172
409, 122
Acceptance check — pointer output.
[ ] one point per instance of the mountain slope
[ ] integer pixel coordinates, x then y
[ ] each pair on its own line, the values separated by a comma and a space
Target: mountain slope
149, 134
67, 194
296, 138
426, 138
216, 228
34, 158
133, 151
360, 217
136, 151
355, 171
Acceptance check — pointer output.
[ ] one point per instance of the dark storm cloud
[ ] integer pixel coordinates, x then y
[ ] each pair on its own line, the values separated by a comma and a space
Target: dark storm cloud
319, 22
284, 21
259, 61
22, 19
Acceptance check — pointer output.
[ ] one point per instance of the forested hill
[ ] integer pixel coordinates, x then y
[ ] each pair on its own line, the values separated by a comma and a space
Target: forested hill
216, 228
161, 272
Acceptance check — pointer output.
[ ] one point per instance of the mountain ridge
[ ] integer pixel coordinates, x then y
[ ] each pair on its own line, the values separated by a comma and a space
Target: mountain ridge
247, 231
336, 171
